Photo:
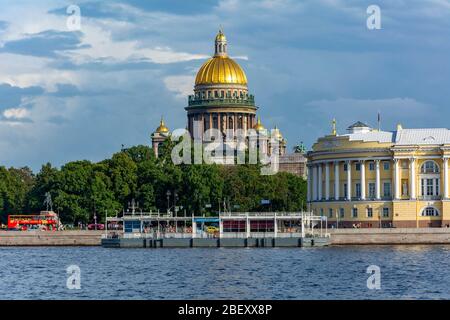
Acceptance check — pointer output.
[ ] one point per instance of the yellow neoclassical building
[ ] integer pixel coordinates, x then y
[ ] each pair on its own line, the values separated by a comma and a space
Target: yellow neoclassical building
372, 178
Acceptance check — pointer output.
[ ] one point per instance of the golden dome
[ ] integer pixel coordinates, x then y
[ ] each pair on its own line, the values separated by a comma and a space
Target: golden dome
220, 69
162, 127
258, 126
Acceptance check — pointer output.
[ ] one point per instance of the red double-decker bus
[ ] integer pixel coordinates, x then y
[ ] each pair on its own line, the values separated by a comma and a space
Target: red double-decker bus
46, 220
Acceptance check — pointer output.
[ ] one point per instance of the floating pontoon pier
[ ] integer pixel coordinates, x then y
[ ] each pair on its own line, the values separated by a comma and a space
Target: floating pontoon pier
249, 229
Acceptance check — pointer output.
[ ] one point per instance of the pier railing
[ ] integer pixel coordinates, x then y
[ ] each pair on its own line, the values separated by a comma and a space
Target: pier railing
225, 235
263, 214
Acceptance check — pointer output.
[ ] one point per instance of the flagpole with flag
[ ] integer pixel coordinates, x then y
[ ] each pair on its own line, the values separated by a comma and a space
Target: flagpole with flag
379, 121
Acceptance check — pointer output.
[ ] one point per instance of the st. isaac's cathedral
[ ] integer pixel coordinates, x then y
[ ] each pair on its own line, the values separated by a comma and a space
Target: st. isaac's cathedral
221, 101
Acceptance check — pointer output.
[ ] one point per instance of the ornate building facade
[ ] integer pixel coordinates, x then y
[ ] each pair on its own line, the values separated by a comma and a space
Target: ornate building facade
372, 178
222, 101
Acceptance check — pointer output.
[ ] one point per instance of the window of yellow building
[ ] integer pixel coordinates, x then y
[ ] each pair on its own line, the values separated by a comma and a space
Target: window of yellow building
371, 190
387, 189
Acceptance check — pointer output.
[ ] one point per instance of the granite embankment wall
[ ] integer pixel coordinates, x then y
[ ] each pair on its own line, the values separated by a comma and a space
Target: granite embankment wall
338, 237
50, 238
390, 236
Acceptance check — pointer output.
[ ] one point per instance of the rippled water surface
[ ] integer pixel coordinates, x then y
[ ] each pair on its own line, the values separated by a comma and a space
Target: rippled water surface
408, 272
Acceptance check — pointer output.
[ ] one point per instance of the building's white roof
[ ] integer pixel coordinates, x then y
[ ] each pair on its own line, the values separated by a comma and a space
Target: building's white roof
431, 136
423, 136
378, 136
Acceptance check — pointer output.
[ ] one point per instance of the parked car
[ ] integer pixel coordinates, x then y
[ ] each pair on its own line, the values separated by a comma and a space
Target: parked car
98, 226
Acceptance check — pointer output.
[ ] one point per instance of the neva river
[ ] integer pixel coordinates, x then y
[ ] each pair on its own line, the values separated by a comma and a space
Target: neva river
407, 272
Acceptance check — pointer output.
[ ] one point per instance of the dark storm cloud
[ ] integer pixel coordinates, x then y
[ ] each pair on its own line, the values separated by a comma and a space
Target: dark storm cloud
44, 44
11, 97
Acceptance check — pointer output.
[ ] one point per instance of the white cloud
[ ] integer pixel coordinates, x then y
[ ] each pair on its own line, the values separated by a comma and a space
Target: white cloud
239, 57
15, 113
26, 71
181, 85
29, 19
98, 44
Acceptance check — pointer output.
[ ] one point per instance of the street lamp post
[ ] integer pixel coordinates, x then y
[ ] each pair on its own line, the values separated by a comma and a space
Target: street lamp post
168, 200
175, 198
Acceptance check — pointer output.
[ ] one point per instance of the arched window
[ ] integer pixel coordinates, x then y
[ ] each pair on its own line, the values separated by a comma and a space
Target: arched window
230, 123
430, 212
429, 167
429, 180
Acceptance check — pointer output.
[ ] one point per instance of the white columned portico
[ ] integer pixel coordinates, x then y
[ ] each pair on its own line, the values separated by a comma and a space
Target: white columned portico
363, 179
377, 180
412, 178
336, 180
309, 184
314, 182
319, 181
396, 179
349, 180
445, 178
327, 181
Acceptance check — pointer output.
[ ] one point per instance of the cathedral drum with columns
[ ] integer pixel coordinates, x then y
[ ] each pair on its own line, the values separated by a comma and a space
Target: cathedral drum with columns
221, 101
372, 178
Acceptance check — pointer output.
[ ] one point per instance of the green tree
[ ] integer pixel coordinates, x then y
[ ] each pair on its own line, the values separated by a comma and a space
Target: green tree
47, 180
122, 171
202, 184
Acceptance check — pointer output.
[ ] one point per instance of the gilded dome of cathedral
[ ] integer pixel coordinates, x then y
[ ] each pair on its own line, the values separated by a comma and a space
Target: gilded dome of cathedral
220, 69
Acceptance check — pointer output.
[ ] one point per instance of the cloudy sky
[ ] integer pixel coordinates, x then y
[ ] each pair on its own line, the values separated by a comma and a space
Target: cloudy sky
69, 95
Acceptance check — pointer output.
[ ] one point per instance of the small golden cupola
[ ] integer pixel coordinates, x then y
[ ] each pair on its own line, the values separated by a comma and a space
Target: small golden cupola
258, 126
162, 127
277, 134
